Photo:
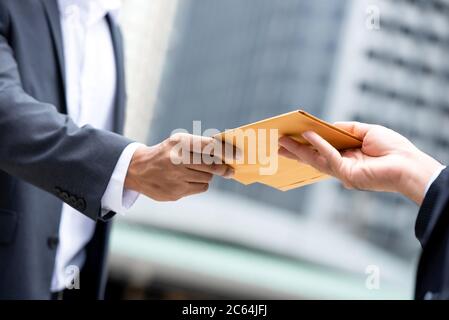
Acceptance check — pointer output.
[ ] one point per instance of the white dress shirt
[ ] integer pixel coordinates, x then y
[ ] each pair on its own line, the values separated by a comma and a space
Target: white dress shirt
90, 91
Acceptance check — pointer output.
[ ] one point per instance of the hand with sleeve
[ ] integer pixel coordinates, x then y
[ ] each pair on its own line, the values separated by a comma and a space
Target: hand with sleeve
386, 161
161, 173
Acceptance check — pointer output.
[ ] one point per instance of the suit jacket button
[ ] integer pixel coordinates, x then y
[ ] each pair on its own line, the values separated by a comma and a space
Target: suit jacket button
80, 205
72, 200
53, 242
65, 196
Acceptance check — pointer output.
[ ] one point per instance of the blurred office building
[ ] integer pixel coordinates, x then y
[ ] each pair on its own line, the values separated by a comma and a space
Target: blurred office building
227, 63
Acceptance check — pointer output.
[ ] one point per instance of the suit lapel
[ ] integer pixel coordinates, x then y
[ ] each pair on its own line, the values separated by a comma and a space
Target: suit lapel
53, 18
120, 95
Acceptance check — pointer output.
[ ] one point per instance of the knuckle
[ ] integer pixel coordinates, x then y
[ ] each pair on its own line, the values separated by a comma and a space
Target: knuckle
173, 156
205, 187
219, 169
176, 138
347, 184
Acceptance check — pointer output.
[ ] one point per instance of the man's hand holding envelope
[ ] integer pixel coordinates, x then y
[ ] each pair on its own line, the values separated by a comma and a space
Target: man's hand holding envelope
362, 156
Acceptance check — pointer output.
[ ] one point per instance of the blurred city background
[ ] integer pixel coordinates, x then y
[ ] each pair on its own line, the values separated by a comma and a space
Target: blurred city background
230, 62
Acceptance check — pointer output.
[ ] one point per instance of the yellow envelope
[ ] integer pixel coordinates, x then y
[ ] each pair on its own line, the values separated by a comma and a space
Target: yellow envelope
256, 140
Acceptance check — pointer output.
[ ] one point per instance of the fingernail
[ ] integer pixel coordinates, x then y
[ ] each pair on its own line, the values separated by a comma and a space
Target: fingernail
229, 173
307, 135
283, 140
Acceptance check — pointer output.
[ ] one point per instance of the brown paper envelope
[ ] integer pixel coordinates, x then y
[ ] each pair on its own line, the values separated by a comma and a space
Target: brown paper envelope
290, 174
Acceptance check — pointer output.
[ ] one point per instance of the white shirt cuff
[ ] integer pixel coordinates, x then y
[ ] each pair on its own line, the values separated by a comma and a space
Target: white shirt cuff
433, 178
116, 198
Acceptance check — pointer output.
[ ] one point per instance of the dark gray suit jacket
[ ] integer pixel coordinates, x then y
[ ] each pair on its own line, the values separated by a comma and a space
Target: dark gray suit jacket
41, 145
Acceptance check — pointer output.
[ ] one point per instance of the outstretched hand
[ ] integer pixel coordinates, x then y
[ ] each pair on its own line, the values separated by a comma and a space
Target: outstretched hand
386, 161
166, 173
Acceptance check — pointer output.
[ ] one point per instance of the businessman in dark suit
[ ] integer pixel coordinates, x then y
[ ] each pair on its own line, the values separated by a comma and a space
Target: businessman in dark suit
389, 162
63, 174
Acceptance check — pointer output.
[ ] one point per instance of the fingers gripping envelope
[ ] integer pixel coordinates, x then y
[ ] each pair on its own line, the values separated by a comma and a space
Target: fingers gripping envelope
258, 144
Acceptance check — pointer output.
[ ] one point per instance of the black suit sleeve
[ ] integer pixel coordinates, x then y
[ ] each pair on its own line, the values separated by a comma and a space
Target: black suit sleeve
434, 206
45, 148
432, 230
